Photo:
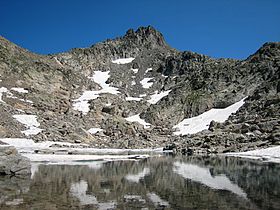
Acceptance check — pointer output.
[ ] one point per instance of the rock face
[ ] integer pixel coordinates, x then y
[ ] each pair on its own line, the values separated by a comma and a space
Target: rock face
12, 163
139, 74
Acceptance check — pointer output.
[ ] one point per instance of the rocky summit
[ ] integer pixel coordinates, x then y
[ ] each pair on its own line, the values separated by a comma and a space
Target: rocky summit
134, 92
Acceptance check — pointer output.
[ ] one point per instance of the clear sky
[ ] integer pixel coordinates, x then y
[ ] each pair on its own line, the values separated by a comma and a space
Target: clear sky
219, 28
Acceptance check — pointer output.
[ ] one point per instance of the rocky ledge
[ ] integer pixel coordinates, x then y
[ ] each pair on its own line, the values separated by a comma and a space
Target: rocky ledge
12, 163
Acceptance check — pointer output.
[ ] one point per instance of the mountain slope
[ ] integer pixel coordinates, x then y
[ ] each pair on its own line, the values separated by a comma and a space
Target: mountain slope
105, 87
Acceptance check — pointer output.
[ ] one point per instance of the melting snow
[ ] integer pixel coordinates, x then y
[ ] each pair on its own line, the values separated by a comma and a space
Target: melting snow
201, 122
30, 122
136, 118
203, 175
136, 177
271, 154
133, 99
81, 104
145, 82
158, 96
148, 69
94, 130
134, 70
142, 95
19, 90
123, 60
27, 147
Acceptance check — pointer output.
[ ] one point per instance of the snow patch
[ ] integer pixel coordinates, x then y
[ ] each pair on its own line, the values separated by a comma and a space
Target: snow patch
133, 82
136, 118
132, 99
94, 130
271, 154
148, 69
137, 177
30, 122
146, 82
19, 90
158, 96
135, 71
123, 60
82, 103
143, 95
201, 122
203, 176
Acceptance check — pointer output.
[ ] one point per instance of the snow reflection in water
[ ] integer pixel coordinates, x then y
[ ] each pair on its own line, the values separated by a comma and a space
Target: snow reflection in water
154, 183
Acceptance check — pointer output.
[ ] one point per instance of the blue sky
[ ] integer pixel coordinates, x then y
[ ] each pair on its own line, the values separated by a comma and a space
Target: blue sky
219, 28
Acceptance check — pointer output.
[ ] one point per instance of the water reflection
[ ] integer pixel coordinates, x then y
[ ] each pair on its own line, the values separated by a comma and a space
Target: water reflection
156, 183
204, 176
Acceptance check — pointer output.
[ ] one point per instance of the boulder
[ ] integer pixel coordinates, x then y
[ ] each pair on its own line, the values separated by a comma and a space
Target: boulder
12, 163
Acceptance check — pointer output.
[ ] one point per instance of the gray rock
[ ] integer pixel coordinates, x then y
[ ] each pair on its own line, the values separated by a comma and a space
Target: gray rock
12, 163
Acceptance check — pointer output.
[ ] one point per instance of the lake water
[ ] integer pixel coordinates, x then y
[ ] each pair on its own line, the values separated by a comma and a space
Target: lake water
155, 183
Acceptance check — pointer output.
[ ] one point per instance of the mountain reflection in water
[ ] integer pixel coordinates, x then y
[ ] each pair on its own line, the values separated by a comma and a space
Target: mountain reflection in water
154, 183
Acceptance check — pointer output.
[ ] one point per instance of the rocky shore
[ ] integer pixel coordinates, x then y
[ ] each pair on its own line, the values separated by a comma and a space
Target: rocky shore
12, 163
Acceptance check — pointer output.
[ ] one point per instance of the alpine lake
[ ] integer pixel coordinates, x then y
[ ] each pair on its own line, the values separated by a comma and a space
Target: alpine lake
159, 182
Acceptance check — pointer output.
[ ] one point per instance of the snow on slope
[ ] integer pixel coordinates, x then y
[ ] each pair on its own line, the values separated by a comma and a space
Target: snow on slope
271, 154
129, 98
146, 82
158, 96
81, 104
30, 122
123, 60
203, 176
148, 69
135, 71
201, 122
136, 118
19, 90
94, 130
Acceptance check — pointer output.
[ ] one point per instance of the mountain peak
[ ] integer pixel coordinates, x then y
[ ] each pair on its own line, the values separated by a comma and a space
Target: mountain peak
268, 51
146, 34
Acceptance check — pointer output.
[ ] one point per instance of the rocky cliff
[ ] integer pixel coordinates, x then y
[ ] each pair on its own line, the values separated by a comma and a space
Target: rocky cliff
93, 94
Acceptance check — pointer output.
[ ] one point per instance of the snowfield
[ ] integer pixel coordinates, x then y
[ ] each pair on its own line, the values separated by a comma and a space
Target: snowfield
146, 82
123, 60
271, 154
82, 103
148, 69
133, 98
94, 130
158, 96
201, 122
135, 71
30, 122
19, 90
136, 118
